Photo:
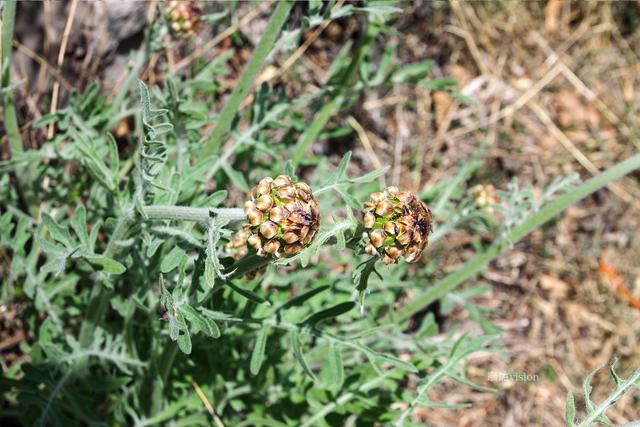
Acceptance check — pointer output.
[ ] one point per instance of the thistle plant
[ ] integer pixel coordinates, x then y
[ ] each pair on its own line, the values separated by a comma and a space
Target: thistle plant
398, 225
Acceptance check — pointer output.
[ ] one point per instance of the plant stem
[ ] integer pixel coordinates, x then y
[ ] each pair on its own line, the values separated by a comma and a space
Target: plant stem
26, 195
246, 80
612, 399
10, 117
335, 101
480, 261
100, 294
187, 213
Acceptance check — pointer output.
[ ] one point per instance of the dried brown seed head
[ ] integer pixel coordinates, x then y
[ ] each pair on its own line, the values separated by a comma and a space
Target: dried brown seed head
369, 220
184, 17
255, 241
254, 216
292, 249
282, 181
290, 237
268, 229
377, 238
278, 214
283, 212
399, 224
272, 247
264, 202
485, 197
384, 208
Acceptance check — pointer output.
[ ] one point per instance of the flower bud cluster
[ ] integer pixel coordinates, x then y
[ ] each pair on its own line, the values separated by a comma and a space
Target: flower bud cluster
398, 224
283, 218
184, 17
485, 197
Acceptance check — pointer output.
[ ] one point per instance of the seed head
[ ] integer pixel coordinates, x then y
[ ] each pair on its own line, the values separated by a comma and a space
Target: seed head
369, 220
398, 224
282, 217
485, 197
237, 246
184, 17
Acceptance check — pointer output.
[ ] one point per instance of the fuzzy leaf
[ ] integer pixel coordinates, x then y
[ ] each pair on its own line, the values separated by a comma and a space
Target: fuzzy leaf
368, 177
184, 342
570, 410
109, 266
336, 365
297, 352
300, 299
257, 355
57, 232
172, 259
342, 167
329, 313
248, 294
79, 225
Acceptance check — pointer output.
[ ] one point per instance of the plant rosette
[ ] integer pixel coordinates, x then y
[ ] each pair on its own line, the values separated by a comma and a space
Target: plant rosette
398, 224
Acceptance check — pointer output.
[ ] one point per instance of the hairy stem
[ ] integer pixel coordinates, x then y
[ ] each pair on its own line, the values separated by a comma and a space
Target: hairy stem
248, 76
187, 213
480, 261
100, 294
623, 387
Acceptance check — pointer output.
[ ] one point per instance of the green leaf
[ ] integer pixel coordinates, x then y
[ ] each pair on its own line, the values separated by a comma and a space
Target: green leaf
113, 149
336, 365
429, 327
370, 176
290, 170
300, 299
54, 265
172, 259
570, 410
257, 355
214, 199
410, 73
586, 388
236, 178
342, 167
212, 328
79, 225
57, 232
248, 294
209, 273
329, 313
398, 363
184, 342
49, 247
109, 266
349, 199
297, 353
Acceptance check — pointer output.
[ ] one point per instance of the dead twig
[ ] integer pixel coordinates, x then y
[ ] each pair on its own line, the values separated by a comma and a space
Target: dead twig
63, 47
